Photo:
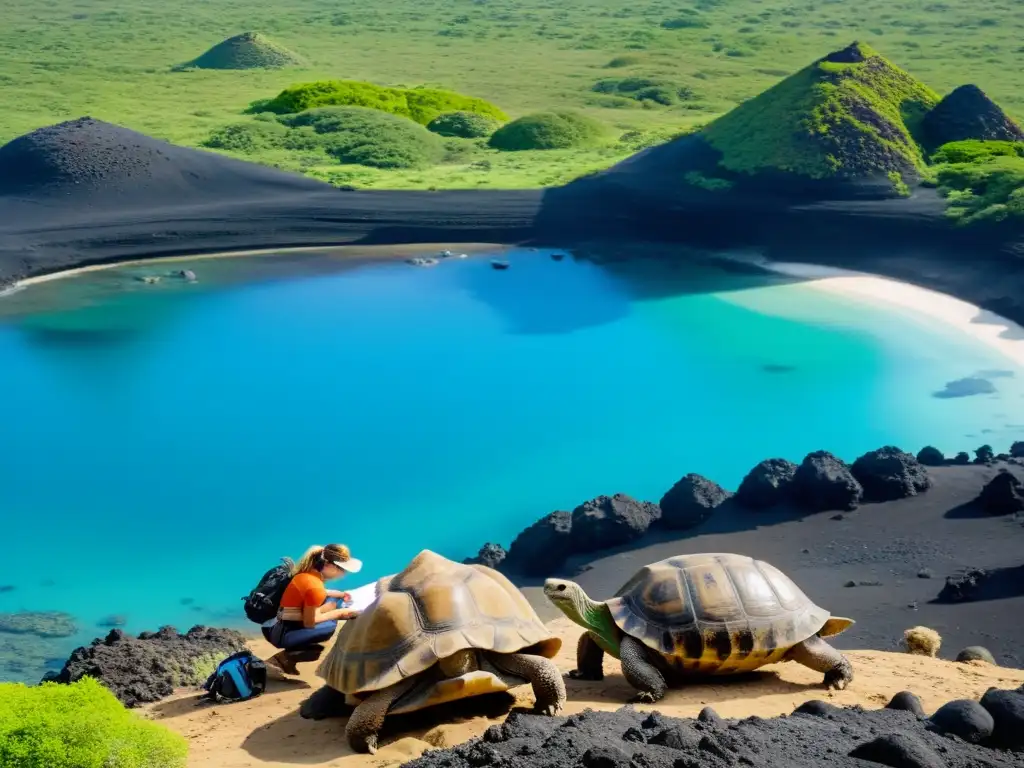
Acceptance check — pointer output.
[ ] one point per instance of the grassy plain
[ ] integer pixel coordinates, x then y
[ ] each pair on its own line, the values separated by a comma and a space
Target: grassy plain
114, 61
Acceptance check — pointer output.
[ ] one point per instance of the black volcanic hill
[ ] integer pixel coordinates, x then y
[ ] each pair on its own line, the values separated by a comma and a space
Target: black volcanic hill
97, 164
968, 113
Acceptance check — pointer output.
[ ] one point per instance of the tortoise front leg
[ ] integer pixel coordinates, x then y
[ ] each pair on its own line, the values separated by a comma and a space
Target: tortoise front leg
639, 672
369, 714
822, 657
589, 659
543, 675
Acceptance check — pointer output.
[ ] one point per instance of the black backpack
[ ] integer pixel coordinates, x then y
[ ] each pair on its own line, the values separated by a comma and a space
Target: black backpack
239, 677
261, 604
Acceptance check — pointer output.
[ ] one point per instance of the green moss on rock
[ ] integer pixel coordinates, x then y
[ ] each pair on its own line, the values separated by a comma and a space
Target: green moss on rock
852, 114
550, 130
249, 50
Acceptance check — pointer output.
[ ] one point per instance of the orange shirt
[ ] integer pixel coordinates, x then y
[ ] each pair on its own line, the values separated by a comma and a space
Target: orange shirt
304, 589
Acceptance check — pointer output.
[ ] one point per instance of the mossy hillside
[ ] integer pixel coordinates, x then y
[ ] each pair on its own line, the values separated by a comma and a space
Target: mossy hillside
249, 50
563, 129
80, 725
420, 104
850, 115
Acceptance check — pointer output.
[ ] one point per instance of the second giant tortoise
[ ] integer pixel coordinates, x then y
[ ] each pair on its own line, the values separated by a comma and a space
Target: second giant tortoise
436, 632
701, 614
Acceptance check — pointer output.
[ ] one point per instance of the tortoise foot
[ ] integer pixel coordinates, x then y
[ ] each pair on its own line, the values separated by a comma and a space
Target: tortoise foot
645, 697
578, 675
838, 679
549, 710
365, 744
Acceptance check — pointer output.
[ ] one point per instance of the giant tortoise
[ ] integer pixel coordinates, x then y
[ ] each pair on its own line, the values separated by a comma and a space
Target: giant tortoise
436, 632
701, 614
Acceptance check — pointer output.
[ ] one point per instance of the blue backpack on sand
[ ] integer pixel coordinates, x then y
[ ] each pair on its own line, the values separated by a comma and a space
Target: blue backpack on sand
239, 677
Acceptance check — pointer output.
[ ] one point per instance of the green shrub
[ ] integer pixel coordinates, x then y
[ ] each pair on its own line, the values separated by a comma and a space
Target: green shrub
662, 92
80, 725
419, 104
463, 125
972, 151
248, 138
626, 60
368, 137
990, 190
688, 19
549, 130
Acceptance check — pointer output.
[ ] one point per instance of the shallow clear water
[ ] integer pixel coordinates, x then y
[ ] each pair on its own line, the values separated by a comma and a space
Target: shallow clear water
160, 449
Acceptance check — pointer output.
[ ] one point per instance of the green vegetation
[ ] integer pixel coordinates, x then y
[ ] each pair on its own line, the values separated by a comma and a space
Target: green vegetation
688, 19
419, 104
848, 118
973, 151
626, 60
549, 130
463, 125
988, 190
353, 135
80, 726
646, 89
249, 50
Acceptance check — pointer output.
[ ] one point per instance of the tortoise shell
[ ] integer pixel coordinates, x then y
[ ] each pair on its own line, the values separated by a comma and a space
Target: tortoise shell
716, 613
432, 609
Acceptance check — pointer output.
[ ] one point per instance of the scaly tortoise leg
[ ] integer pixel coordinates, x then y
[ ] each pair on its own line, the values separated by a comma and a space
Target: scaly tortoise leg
818, 655
589, 659
369, 714
639, 672
547, 682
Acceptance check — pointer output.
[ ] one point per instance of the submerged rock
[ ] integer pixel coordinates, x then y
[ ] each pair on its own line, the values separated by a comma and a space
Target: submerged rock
148, 668
38, 623
889, 474
966, 388
768, 484
609, 521
1002, 495
824, 482
690, 502
542, 546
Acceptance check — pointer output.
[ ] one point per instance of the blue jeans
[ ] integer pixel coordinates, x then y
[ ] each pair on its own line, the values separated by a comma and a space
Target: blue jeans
292, 635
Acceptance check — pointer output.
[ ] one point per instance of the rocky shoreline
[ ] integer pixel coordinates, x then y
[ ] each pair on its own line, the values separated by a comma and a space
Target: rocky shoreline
821, 483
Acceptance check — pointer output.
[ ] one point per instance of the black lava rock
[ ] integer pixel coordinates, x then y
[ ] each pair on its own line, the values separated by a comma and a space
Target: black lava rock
147, 668
768, 484
824, 482
605, 757
710, 717
962, 458
1002, 495
907, 702
676, 737
963, 587
690, 502
817, 708
976, 653
889, 474
542, 546
1017, 450
964, 718
899, 750
610, 521
968, 113
491, 555
1007, 710
930, 456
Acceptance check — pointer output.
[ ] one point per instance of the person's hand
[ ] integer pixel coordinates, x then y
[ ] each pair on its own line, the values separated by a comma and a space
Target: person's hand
347, 615
345, 597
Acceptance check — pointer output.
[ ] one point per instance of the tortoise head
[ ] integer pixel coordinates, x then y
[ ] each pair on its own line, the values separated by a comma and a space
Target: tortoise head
570, 598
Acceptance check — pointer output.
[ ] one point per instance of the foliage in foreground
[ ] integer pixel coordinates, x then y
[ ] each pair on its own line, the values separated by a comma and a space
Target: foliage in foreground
80, 725
549, 130
419, 104
990, 190
973, 151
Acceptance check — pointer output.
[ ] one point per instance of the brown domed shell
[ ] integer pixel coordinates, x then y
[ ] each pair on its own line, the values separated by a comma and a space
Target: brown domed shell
716, 612
432, 609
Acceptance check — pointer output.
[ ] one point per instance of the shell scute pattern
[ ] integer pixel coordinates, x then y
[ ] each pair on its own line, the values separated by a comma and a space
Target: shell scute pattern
715, 613
432, 609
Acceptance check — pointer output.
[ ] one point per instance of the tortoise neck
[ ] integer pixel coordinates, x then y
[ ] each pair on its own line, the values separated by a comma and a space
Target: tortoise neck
590, 614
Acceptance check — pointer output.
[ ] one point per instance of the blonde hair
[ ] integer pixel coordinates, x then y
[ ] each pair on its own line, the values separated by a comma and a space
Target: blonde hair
317, 555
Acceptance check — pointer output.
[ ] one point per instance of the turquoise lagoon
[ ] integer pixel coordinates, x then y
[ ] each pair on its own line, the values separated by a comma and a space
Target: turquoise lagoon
161, 446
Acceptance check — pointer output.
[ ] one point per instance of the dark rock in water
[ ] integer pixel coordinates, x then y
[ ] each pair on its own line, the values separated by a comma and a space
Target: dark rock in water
899, 750
964, 718
112, 621
38, 623
490, 554
149, 667
767, 484
1007, 710
976, 653
1017, 449
931, 456
5, 588
962, 458
690, 502
889, 474
963, 587
907, 702
823, 482
610, 521
965, 388
1002, 495
542, 546
968, 113
777, 368
984, 455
